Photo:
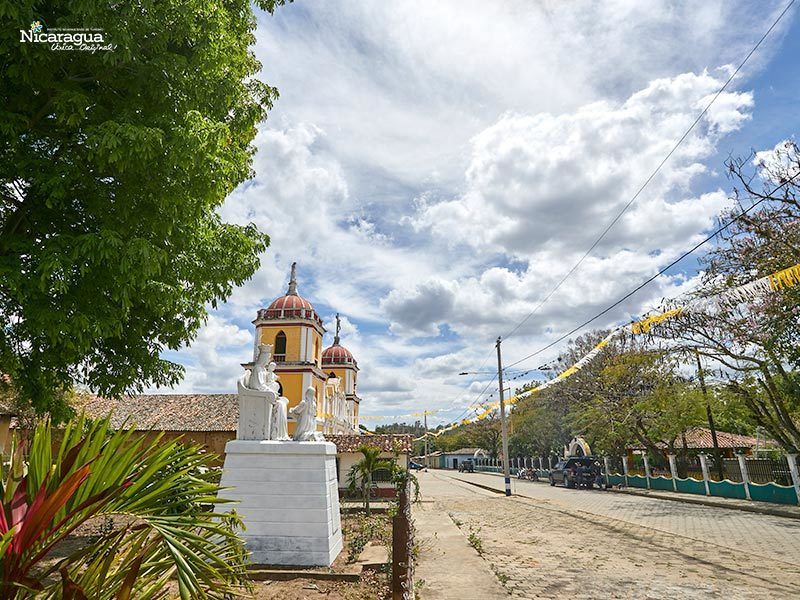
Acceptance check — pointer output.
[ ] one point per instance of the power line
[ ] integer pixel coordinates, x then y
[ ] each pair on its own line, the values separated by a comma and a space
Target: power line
661, 272
463, 414
652, 175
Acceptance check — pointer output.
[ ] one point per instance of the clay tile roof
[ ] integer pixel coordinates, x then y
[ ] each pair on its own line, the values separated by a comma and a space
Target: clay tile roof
390, 442
700, 438
168, 412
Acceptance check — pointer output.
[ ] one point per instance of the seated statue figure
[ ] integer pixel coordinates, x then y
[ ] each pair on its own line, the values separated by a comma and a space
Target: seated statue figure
256, 378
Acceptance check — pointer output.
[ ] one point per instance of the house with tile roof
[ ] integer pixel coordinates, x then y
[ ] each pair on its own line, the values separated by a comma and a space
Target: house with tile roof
210, 420
699, 439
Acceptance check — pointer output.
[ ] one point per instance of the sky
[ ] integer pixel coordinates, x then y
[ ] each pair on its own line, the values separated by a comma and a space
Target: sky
436, 168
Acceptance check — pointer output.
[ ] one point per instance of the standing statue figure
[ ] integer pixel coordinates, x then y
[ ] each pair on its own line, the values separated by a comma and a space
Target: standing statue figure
280, 420
305, 414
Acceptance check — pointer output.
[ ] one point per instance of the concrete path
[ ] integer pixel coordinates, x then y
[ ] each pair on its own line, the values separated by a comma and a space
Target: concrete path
557, 543
769, 537
448, 567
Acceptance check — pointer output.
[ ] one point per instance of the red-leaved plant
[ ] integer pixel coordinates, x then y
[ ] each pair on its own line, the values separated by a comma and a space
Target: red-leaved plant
162, 500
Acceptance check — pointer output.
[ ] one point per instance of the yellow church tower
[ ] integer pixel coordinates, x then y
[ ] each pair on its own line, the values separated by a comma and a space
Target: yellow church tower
338, 362
294, 330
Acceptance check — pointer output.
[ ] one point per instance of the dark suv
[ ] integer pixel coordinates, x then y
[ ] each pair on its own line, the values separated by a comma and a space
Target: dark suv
467, 466
575, 471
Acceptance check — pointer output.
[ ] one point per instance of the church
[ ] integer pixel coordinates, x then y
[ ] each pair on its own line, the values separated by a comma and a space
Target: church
294, 330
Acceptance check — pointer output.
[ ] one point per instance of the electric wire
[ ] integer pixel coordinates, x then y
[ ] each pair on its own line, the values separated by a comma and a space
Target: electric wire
660, 272
652, 175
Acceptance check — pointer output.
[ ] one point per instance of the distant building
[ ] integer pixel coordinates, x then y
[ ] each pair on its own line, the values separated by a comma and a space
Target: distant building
450, 460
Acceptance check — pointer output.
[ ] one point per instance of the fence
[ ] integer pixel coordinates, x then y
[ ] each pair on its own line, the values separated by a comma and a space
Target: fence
762, 479
765, 480
403, 547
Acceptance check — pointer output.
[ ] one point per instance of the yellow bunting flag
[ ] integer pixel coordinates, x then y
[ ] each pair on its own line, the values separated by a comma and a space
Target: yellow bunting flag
644, 325
784, 279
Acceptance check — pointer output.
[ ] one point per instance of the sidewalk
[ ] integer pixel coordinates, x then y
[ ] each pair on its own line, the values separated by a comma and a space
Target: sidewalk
764, 508
448, 567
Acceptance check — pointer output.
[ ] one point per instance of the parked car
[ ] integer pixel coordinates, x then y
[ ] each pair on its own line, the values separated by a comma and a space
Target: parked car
467, 466
575, 471
415, 466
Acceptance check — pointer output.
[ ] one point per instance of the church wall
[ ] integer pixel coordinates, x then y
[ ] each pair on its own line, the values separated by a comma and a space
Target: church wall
302, 341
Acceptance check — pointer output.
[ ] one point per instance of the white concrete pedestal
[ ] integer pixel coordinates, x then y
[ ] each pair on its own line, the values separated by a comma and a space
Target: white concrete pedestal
288, 499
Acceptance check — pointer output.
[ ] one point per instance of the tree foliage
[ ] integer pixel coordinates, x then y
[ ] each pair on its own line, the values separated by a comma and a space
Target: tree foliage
757, 343
112, 165
361, 474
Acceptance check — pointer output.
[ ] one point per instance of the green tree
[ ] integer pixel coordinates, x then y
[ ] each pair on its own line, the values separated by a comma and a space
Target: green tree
486, 434
160, 499
756, 342
539, 426
361, 473
112, 166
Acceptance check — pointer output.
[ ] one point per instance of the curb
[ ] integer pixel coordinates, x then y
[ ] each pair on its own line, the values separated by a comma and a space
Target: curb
705, 501
700, 500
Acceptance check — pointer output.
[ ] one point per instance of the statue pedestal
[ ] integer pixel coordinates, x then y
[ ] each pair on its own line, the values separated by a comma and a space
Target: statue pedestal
288, 499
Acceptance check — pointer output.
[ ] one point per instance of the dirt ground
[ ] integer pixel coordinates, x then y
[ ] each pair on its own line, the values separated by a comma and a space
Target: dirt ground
356, 529
373, 586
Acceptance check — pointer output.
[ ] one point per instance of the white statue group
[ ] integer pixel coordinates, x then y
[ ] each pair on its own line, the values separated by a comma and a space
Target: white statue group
264, 413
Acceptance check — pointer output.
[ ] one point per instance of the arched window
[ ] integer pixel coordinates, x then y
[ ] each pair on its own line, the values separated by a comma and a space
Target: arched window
279, 352
331, 375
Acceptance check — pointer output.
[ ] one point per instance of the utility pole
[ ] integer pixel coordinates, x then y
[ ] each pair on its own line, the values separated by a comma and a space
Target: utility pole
710, 416
425, 416
503, 423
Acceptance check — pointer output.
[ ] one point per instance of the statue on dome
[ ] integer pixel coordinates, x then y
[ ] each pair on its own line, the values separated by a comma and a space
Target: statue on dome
305, 415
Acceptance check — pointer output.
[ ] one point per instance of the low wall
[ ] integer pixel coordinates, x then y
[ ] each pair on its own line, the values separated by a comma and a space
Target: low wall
762, 492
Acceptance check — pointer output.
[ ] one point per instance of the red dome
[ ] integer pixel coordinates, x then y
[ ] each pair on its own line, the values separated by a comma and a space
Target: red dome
292, 305
337, 355
289, 306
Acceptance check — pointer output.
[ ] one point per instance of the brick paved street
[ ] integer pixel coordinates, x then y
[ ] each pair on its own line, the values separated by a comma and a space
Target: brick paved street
559, 543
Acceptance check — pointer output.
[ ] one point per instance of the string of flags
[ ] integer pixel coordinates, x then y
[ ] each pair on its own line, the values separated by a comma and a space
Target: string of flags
780, 280
414, 414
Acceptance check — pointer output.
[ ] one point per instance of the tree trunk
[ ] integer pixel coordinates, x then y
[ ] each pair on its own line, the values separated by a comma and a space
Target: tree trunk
368, 492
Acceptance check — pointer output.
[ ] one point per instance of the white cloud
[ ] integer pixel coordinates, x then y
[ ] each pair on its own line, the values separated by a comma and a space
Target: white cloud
212, 362
436, 168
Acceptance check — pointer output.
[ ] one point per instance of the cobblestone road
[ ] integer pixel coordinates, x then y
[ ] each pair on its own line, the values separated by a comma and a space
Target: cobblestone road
558, 543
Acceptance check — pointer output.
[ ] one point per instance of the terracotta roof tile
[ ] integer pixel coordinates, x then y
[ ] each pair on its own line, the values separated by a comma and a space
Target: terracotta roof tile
400, 442
700, 438
169, 412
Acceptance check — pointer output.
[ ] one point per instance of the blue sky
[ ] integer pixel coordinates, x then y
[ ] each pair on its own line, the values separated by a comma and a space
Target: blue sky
435, 169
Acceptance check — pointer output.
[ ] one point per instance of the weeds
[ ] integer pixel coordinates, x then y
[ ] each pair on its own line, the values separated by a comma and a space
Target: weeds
364, 530
475, 541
